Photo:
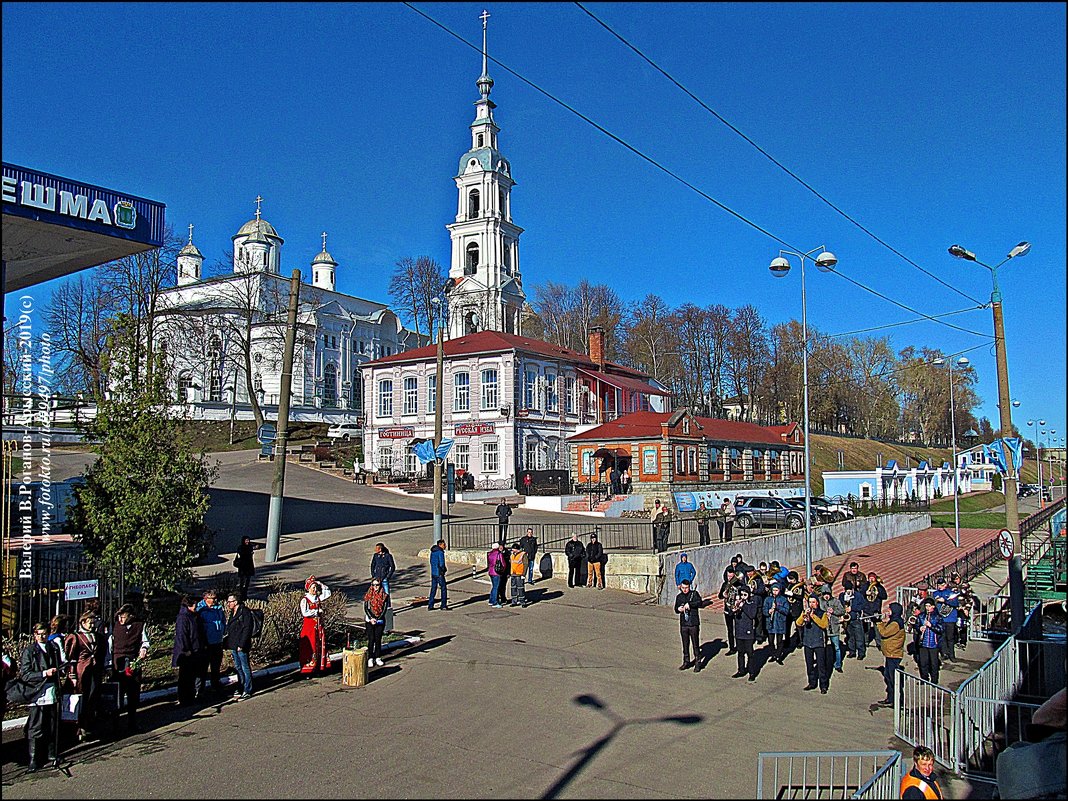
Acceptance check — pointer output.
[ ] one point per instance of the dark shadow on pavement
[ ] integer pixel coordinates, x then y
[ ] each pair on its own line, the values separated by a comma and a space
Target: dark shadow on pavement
539, 595
425, 645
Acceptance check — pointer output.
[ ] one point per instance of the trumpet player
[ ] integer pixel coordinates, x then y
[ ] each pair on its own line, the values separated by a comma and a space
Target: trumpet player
835, 609
813, 627
745, 616
856, 637
776, 614
948, 601
931, 629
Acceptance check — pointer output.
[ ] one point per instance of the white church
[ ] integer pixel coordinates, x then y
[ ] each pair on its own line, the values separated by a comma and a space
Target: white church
225, 334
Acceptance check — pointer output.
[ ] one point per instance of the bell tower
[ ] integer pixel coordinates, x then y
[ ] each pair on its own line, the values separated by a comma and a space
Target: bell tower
486, 287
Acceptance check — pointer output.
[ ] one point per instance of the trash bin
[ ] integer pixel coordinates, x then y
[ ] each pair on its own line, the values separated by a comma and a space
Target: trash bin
354, 667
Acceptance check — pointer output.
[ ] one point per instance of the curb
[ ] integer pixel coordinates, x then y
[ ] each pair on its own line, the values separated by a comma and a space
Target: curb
165, 692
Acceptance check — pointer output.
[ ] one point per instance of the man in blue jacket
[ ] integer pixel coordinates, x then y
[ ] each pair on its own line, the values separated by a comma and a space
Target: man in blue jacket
213, 616
437, 576
947, 600
685, 571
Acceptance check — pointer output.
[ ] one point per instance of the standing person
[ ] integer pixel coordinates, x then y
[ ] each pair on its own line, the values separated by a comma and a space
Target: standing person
238, 638
745, 616
948, 601
58, 631
776, 613
874, 596
655, 518
615, 478
595, 558
732, 584
128, 646
437, 576
688, 604
383, 565
665, 527
575, 551
685, 571
527, 482
188, 649
496, 571
246, 569
812, 624
930, 627
892, 644
727, 514
518, 565
87, 652
835, 609
921, 782
856, 635
626, 482
912, 616
702, 516
312, 647
375, 601
854, 580
213, 616
529, 543
503, 512
40, 664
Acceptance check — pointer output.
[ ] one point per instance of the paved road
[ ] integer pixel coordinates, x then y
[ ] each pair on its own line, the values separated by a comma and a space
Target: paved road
576, 696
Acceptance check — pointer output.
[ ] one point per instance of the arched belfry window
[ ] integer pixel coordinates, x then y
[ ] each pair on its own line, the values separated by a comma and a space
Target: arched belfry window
473, 199
481, 140
471, 265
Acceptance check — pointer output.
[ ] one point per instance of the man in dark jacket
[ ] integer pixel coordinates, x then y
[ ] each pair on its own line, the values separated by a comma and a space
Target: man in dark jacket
812, 625
575, 552
382, 565
503, 512
688, 604
189, 639
595, 559
529, 543
745, 633
40, 668
238, 639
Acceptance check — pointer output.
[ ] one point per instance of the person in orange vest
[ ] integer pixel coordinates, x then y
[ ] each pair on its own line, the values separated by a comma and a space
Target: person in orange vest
920, 782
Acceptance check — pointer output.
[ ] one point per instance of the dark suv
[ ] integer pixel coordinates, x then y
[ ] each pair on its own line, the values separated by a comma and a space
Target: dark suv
769, 511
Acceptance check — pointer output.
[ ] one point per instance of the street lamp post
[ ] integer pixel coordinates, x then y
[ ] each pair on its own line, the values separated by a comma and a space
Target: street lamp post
1038, 453
962, 362
1012, 508
438, 380
779, 267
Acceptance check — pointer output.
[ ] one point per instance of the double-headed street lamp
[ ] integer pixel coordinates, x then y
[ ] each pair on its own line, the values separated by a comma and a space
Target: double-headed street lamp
1012, 509
779, 267
962, 362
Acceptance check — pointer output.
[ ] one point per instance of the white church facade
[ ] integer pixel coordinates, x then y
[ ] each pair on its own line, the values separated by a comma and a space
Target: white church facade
224, 335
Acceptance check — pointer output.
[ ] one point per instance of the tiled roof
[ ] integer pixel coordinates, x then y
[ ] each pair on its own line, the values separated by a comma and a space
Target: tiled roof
646, 425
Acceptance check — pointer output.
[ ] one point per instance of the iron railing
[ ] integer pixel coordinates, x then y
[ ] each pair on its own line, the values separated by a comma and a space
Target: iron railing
828, 774
40, 595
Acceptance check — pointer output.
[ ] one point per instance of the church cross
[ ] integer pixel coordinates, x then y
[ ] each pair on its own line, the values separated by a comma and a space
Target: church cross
259, 200
324, 241
190, 233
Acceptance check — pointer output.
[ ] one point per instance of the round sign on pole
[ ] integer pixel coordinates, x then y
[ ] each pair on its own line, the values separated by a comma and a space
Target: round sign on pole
1005, 543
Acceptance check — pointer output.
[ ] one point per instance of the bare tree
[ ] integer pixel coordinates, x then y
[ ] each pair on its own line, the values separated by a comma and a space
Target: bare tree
650, 342
747, 356
79, 318
412, 287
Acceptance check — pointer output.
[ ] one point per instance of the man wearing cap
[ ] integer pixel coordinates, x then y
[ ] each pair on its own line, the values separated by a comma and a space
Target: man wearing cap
946, 596
930, 626
745, 632
595, 559
685, 571
688, 604
912, 616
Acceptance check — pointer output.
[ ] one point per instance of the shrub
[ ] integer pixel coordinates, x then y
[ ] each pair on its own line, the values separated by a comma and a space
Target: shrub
282, 622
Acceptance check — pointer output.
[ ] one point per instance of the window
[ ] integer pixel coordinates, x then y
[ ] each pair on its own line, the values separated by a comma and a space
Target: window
463, 456
569, 395
471, 264
411, 395
411, 461
490, 458
431, 393
680, 461
385, 457
215, 395
329, 385
551, 403
553, 453
385, 398
691, 458
185, 385
507, 257
686, 425
530, 387
530, 455
215, 347
502, 199
480, 140
490, 395
461, 398
472, 203
713, 460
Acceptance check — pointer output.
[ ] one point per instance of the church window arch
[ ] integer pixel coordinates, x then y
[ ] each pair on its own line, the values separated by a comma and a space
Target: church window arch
471, 263
473, 203
329, 385
185, 386
481, 140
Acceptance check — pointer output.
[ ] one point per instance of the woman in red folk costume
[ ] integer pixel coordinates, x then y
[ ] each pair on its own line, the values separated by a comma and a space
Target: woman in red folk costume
312, 653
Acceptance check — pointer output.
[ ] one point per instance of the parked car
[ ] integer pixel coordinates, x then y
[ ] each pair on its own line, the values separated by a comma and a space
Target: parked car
345, 431
1024, 490
826, 511
769, 511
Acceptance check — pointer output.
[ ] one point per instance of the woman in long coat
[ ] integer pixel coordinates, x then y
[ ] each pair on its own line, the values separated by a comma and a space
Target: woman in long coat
87, 652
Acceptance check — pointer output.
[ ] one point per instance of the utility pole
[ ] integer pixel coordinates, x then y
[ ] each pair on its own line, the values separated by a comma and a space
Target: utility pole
438, 388
274, 514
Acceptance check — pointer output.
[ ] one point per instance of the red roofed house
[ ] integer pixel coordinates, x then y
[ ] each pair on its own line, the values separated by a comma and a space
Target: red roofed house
510, 403
678, 452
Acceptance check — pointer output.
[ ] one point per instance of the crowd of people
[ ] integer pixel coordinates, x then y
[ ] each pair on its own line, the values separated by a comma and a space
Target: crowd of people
769, 605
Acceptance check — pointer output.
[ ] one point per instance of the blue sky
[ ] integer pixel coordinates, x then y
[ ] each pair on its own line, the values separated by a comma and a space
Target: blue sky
929, 123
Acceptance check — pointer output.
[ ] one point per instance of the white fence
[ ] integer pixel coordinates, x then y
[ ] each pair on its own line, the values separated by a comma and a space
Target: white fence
828, 774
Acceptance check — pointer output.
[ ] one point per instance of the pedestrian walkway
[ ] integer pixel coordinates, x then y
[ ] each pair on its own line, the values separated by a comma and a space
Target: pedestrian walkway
901, 561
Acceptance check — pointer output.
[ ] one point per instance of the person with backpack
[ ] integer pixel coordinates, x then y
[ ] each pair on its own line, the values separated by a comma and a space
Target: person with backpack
495, 567
575, 552
240, 625
518, 564
312, 652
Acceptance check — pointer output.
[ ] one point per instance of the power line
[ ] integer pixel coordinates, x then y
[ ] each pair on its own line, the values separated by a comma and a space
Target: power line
892, 325
770, 157
742, 218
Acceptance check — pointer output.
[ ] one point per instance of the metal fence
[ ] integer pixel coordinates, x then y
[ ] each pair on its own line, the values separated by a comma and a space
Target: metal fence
40, 595
828, 774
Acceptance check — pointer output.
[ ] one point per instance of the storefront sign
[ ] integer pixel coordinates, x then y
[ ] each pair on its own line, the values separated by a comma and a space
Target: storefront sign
398, 432
474, 429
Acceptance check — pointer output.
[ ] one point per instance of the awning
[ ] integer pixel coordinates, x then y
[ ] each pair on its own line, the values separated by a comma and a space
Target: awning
611, 453
632, 385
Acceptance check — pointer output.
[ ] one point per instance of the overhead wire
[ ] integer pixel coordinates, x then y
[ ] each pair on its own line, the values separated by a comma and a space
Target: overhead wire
770, 157
649, 159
